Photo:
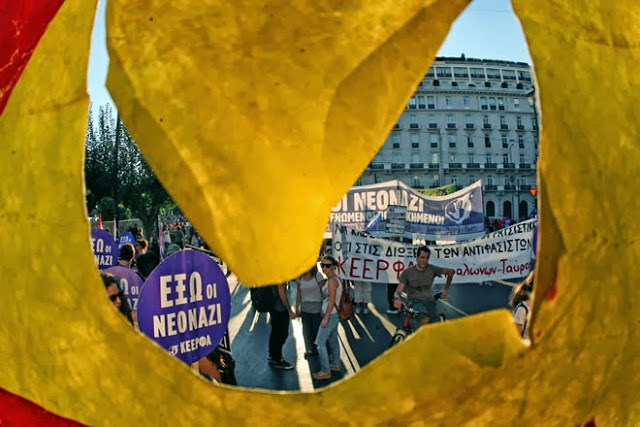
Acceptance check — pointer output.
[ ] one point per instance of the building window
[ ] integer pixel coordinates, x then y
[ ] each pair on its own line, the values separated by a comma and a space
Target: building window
421, 104
434, 158
485, 120
500, 103
491, 208
450, 119
505, 158
509, 74
454, 180
447, 101
396, 145
519, 120
461, 72
452, 141
396, 158
477, 73
471, 180
483, 103
487, 141
415, 137
430, 73
413, 119
506, 181
452, 158
470, 158
469, 141
433, 139
466, 101
516, 103
395, 138
489, 180
520, 141
522, 159
504, 142
488, 158
412, 103
416, 182
415, 158
432, 119
503, 121
492, 103
430, 103
492, 73
444, 72
467, 119
534, 125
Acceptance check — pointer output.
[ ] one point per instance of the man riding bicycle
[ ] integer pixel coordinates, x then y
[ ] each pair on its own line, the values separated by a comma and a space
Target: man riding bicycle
418, 281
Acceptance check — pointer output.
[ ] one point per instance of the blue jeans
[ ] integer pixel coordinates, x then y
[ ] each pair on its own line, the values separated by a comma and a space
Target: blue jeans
328, 335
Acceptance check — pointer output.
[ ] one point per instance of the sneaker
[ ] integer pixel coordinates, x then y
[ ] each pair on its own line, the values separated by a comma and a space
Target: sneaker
357, 310
309, 354
392, 311
335, 368
281, 364
321, 375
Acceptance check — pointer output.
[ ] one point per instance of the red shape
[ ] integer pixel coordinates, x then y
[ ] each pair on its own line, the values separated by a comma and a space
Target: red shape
22, 24
16, 411
550, 295
590, 423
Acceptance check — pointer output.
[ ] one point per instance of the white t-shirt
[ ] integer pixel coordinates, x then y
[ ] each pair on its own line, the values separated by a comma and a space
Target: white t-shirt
520, 317
325, 296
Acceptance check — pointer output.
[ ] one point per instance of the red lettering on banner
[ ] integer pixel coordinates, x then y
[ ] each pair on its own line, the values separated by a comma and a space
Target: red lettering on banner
365, 269
353, 268
398, 267
379, 267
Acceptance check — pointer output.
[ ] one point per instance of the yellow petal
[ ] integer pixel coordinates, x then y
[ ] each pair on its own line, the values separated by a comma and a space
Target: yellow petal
65, 348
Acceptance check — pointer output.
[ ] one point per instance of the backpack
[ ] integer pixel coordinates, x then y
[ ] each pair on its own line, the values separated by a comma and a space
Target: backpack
526, 314
345, 305
264, 298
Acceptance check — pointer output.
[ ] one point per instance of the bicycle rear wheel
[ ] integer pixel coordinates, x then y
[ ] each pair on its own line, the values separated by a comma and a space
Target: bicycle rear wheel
398, 337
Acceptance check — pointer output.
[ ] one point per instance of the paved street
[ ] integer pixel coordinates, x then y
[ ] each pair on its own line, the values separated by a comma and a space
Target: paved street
362, 339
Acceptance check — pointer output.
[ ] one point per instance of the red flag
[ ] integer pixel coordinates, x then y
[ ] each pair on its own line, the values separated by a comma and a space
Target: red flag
100, 221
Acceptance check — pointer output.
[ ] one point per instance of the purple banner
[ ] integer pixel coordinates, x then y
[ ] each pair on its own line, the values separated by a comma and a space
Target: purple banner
185, 305
126, 237
105, 250
130, 283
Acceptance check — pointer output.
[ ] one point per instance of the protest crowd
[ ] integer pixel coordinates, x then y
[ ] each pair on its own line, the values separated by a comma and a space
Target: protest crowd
416, 273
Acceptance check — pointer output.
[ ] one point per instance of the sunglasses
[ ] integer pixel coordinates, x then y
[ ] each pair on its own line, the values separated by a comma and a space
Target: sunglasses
113, 297
326, 265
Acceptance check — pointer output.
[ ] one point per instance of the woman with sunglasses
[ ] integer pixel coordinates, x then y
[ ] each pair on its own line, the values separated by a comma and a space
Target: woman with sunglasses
328, 331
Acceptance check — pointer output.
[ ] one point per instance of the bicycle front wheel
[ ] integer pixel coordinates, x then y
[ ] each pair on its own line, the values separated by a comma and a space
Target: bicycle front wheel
398, 337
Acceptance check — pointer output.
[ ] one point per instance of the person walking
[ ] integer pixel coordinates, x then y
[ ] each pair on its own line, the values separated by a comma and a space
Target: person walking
281, 316
362, 296
520, 301
309, 307
328, 331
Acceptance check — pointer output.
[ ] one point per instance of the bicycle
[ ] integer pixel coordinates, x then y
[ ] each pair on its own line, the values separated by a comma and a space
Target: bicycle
407, 325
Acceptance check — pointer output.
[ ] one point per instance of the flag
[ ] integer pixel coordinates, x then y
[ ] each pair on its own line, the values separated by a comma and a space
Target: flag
100, 221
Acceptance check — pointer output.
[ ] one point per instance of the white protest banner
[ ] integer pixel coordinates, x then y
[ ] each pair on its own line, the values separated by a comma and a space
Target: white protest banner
503, 254
453, 217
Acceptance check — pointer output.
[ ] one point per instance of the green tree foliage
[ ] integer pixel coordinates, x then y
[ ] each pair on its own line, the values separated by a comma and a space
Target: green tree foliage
138, 191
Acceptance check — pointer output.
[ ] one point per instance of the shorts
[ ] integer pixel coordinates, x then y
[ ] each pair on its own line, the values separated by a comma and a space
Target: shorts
426, 309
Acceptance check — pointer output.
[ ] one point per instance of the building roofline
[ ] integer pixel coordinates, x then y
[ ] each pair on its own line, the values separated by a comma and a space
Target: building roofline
464, 60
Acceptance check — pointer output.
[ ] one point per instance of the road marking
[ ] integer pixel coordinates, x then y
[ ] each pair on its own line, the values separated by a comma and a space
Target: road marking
302, 367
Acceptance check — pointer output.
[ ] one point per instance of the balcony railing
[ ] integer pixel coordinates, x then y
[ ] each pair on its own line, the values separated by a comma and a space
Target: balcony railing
455, 165
490, 165
434, 165
433, 126
416, 165
491, 187
451, 125
396, 127
525, 187
397, 165
376, 166
509, 165
525, 166
520, 127
469, 126
486, 126
504, 127
473, 165
509, 187
414, 126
